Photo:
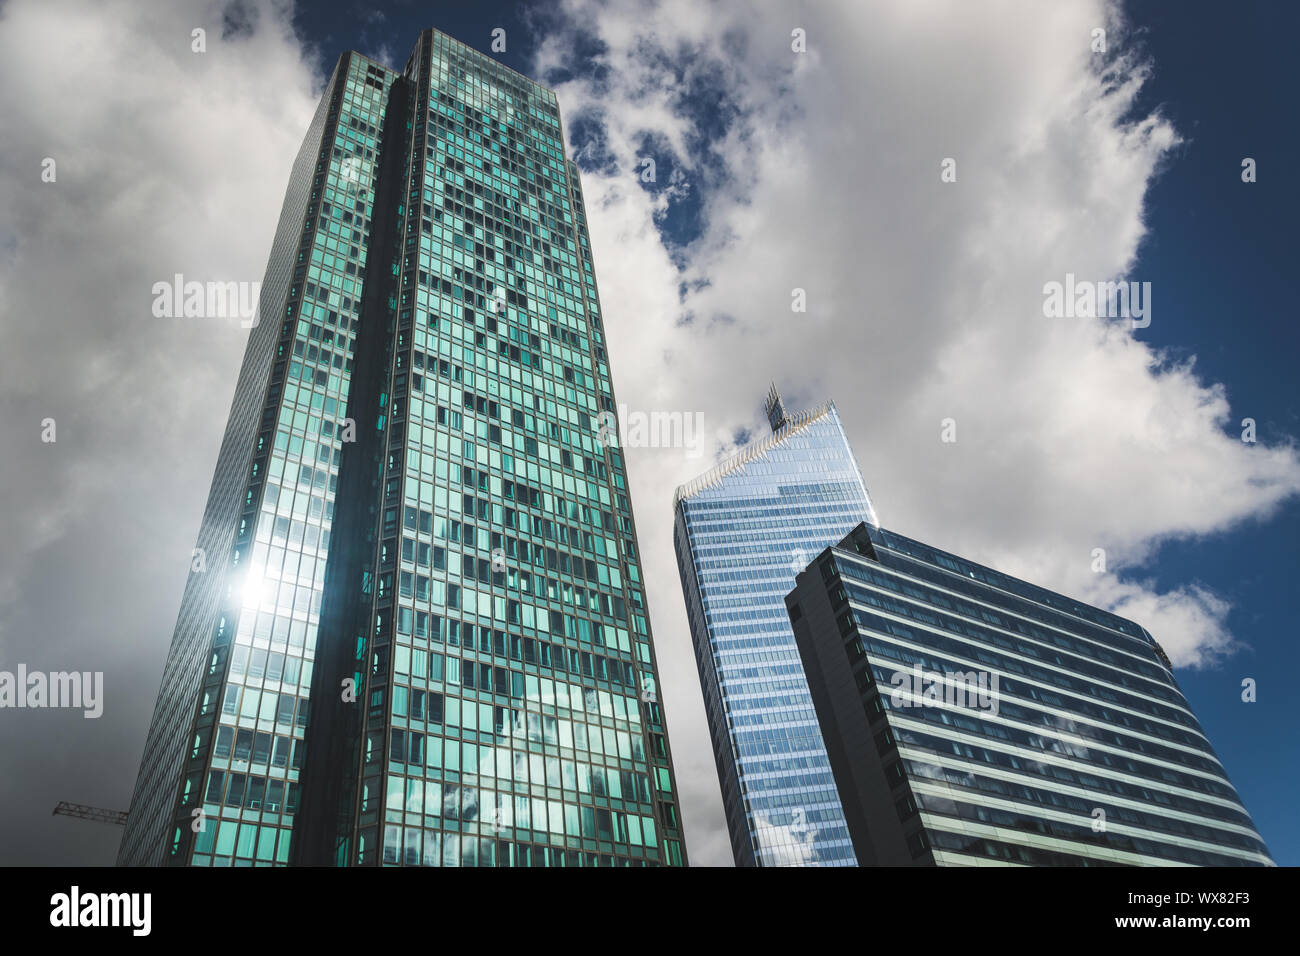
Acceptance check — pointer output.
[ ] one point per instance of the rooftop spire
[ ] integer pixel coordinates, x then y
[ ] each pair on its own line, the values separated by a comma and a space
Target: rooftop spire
775, 409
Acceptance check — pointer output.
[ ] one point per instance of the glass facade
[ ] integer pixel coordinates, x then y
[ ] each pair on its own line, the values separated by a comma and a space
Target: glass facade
1082, 751
476, 649
742, 532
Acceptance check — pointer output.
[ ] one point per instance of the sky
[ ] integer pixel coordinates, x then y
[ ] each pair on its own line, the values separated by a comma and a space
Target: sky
776, 170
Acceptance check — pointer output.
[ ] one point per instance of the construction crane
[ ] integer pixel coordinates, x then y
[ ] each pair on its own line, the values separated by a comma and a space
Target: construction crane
84, 812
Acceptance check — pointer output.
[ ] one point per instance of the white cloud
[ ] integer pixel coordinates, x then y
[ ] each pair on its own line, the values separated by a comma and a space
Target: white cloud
167, 161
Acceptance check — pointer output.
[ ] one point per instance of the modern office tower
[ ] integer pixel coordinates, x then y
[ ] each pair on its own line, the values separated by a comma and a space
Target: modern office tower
743, 530
974, 719
476, 649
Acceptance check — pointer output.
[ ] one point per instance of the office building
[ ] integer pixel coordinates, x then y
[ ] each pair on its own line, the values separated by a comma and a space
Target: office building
742, 532
971, 718
420, 636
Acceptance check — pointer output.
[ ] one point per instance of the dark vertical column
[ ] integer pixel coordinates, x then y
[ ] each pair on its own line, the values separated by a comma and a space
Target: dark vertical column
331, 765
868, 804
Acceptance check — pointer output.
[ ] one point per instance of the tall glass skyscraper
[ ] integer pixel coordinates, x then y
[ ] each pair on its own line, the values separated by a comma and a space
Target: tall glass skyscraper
743, 531
420, 636
973, 719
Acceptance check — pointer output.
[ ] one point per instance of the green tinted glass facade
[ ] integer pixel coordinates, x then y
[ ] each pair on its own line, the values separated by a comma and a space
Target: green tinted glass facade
476, 648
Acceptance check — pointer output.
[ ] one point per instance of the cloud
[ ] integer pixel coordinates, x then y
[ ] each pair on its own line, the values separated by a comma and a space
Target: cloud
821, 171
167, 161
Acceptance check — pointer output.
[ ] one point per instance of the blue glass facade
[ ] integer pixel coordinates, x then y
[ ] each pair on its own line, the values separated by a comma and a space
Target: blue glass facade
1081, 751
742, 533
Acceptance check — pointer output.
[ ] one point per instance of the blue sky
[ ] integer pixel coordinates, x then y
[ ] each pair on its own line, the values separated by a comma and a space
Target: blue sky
1223, 255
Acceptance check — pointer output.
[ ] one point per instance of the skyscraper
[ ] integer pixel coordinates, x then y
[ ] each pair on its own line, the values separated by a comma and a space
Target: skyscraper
972, 718
421, 636
742, 532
